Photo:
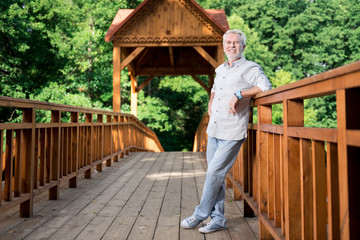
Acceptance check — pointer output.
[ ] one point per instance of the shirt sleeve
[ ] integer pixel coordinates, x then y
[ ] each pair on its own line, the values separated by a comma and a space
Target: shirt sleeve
258, 78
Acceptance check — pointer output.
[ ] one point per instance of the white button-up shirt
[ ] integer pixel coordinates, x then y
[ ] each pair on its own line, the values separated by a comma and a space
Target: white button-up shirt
242, 75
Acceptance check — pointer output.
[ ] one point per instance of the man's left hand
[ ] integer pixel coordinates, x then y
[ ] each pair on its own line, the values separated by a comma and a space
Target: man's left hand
232, 105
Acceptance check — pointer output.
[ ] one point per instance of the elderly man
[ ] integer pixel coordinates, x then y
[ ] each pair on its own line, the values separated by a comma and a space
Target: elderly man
237, 80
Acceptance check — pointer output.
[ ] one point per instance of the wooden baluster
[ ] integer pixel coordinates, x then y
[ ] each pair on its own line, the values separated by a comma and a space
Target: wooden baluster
122, 144
271, 177
36, 158
319, 189
276, 182
19, 145
88, 142
43, 140
108, 139
306, 182
48, 156
332, 172
100, 143
9, 165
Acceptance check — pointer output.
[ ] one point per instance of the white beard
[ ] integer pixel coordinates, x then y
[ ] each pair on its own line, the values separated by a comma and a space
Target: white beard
234, 57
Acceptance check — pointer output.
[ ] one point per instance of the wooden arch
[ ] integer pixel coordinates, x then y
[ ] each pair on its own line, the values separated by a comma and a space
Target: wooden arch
165, 37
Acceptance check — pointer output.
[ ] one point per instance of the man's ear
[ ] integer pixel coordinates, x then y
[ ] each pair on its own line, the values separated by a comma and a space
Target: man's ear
244, 47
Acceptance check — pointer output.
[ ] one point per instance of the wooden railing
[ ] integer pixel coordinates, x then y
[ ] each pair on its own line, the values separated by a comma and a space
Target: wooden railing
302, 183
37, 157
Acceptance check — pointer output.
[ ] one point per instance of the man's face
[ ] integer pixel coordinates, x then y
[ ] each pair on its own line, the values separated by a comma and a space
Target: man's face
232, 46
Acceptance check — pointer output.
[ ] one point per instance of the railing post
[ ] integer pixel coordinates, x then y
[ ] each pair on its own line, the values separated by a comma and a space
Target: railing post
74, 150
55, 158
27, 168
264, 117
89, 136
293, 117
348, 117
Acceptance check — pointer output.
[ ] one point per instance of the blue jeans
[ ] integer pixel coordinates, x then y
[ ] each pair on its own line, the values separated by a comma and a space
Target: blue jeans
221, 155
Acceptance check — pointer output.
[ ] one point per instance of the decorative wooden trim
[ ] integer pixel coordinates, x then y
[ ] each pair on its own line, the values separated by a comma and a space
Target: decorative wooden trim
123, 39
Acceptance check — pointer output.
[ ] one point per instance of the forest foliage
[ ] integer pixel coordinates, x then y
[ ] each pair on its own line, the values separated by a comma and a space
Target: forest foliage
54, 51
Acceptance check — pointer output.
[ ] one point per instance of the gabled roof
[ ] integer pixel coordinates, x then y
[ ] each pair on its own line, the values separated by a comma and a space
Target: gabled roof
216, 16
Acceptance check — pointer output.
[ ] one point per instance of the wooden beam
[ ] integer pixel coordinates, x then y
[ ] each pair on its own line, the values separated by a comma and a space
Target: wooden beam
116, 79
171, 53
163, 71
131, 57
124, 55
202, 84
143, 84
207, 56
133, 94
142, 57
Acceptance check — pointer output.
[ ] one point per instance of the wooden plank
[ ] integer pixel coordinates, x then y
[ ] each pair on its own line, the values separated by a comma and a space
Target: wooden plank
318, 134
307, 222
168, 224
319, 190
144, 227
333, 207
83, 201
189, 199
122, 225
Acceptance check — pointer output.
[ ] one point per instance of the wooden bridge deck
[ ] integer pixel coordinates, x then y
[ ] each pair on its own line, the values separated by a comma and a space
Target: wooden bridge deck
142, 197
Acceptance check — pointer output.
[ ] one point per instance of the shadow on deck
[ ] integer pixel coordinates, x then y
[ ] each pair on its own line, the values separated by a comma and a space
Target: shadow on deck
144, 196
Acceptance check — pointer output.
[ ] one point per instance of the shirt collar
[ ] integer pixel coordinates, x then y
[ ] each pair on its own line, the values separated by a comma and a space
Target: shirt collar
235, 63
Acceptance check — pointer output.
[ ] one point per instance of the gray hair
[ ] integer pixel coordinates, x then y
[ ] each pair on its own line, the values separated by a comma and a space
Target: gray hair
242, 36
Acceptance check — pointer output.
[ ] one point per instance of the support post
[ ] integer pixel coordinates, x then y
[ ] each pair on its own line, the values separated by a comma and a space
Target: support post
133, 94
116, 79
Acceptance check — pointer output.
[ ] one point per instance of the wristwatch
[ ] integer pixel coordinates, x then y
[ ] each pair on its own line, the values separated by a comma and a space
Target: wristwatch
238, 94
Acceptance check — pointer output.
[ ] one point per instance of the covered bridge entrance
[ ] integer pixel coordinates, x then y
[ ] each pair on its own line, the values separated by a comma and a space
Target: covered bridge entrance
165, 37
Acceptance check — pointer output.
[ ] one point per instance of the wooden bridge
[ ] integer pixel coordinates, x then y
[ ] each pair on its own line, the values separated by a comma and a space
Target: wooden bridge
99, 174
92, 174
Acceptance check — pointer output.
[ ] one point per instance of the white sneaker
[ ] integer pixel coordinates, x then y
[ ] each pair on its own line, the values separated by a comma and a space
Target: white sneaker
190, 222
211, 227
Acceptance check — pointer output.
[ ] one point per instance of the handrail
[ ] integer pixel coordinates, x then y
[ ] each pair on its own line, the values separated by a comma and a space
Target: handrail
300, 181
38, 157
